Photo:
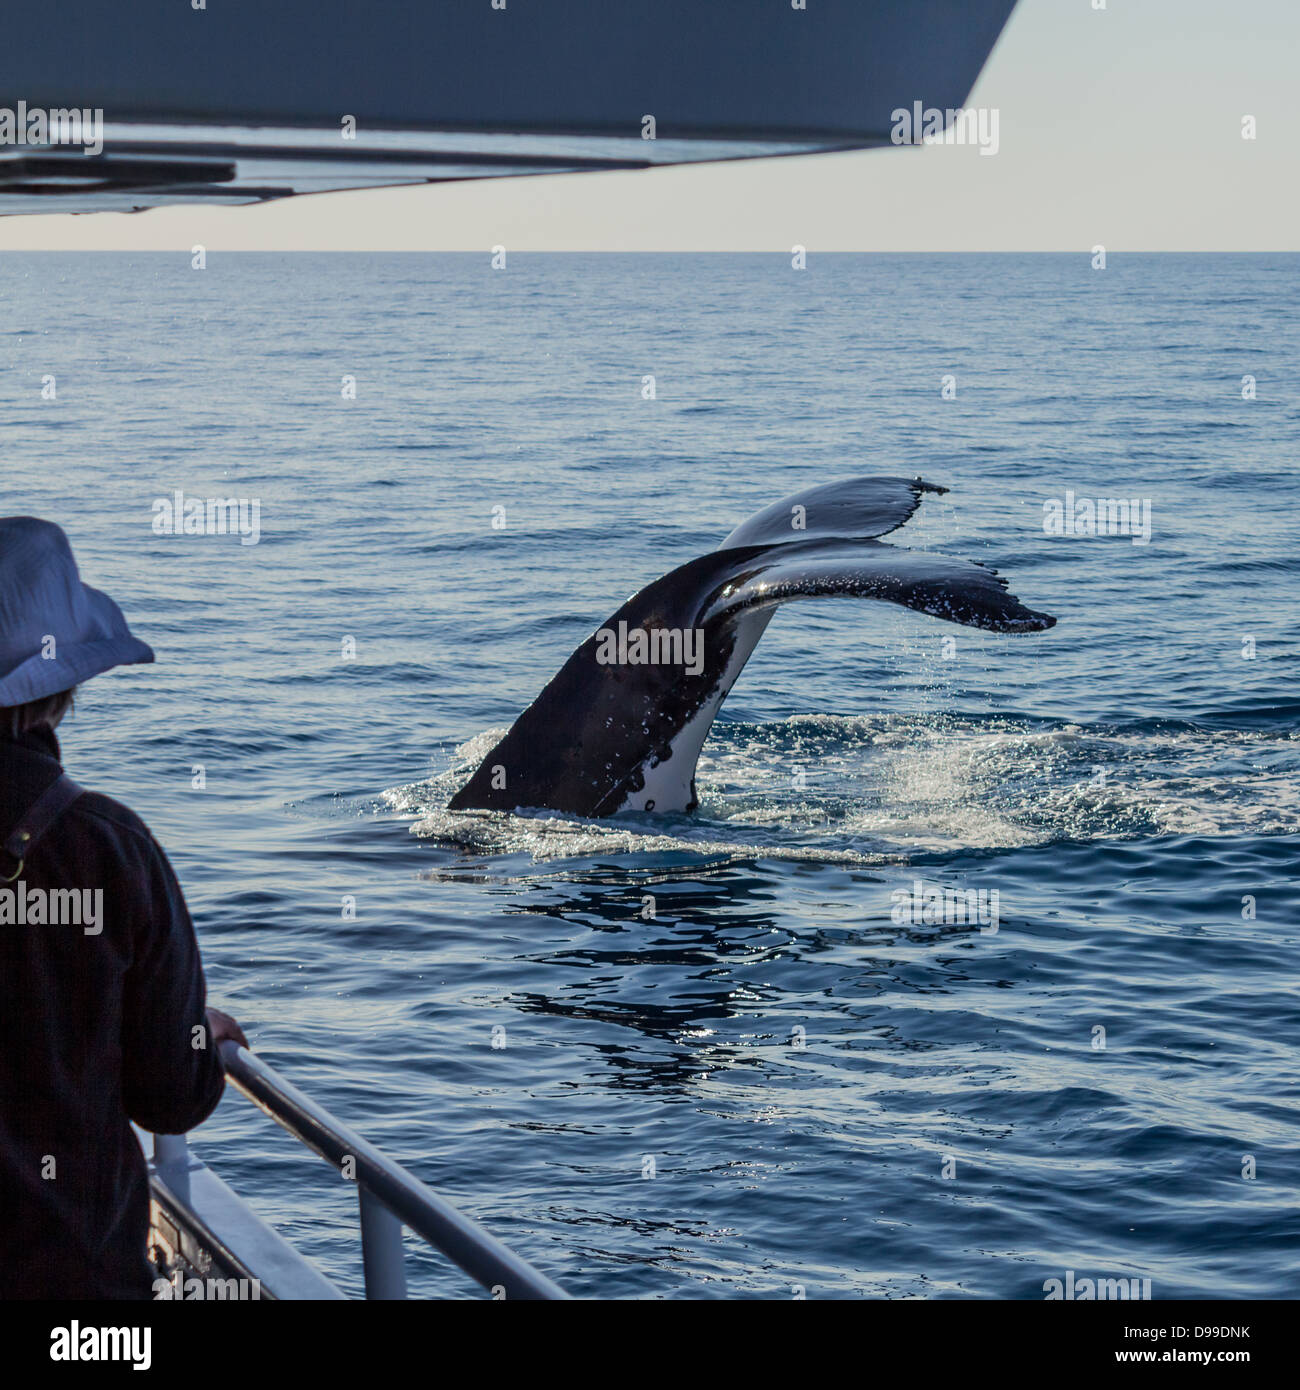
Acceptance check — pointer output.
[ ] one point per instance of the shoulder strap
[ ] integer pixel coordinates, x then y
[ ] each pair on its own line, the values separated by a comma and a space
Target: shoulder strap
40, 815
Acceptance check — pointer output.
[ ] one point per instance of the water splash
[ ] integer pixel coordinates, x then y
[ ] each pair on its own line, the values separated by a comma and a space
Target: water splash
880, 789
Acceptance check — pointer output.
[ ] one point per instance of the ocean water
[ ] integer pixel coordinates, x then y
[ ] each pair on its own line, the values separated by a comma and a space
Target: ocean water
770, 1085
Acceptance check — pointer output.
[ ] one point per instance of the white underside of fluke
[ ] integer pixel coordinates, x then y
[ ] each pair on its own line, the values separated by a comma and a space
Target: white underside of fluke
669, 785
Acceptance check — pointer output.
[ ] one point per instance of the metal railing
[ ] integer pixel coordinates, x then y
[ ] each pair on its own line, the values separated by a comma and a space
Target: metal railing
201, 1230
389, 1196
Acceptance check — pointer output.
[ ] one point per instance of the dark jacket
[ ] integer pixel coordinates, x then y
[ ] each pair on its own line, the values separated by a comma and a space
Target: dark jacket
95, 1030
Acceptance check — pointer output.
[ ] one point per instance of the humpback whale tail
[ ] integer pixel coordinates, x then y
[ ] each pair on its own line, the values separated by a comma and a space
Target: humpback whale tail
621, 725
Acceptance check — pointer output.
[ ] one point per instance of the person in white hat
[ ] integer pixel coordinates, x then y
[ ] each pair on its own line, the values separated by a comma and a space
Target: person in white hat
103, 1016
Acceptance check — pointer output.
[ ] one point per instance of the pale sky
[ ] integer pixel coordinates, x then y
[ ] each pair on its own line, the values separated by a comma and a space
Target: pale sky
1120, 126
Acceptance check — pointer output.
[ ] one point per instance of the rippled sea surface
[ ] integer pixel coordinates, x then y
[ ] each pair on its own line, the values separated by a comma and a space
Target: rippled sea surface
827, 1098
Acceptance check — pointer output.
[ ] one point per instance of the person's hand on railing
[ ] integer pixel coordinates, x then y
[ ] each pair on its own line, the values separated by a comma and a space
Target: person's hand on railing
223, 1028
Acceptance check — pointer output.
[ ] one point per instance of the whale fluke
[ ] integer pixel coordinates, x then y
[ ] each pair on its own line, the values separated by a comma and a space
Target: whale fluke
621, 725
